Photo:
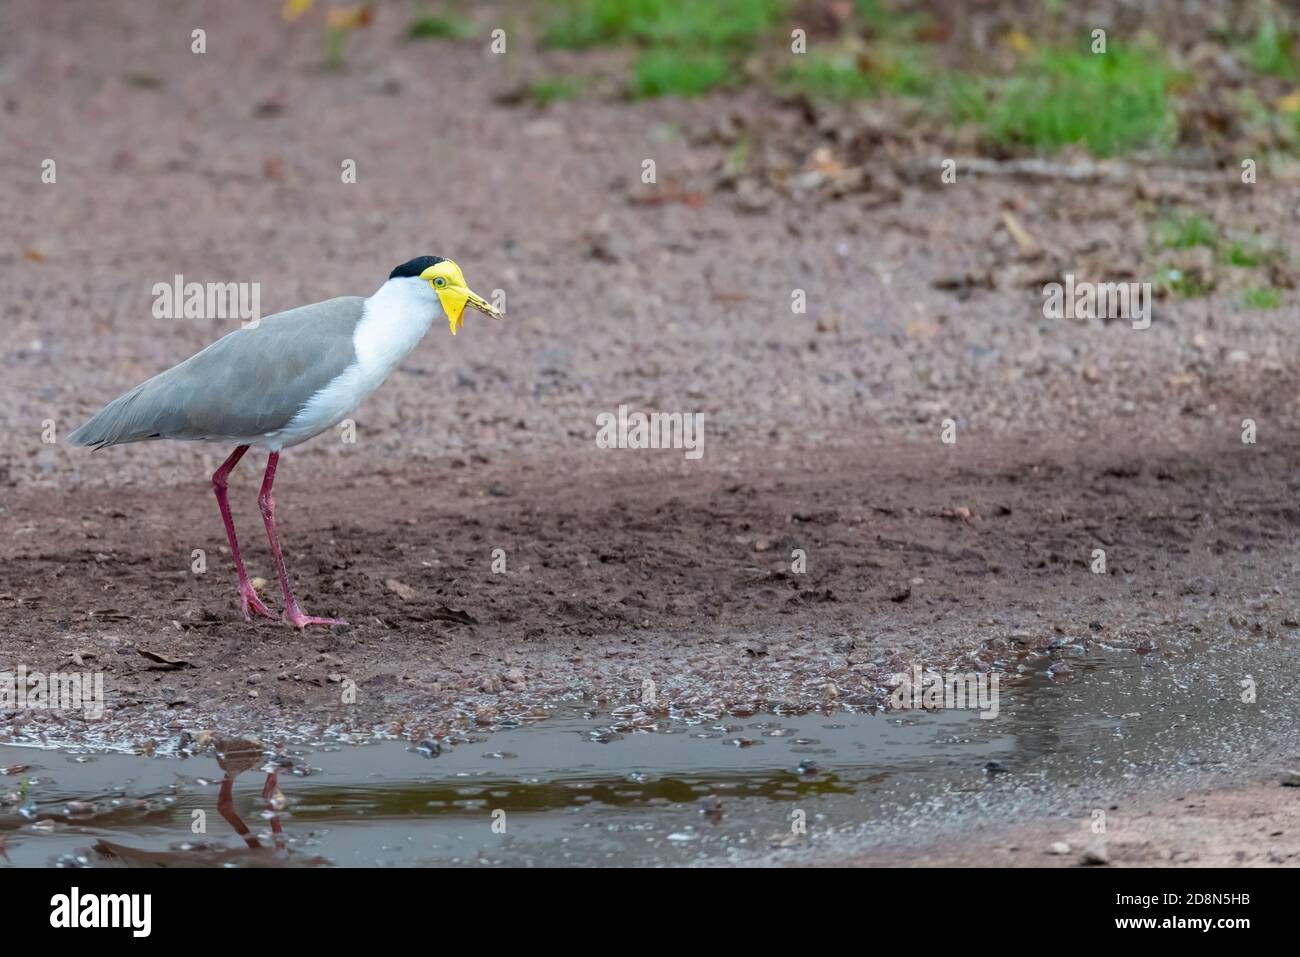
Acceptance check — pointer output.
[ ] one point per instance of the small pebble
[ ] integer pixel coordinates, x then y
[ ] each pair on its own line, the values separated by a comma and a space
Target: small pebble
1095, 855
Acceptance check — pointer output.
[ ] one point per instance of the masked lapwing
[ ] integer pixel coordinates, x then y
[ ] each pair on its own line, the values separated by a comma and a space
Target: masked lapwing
280, 381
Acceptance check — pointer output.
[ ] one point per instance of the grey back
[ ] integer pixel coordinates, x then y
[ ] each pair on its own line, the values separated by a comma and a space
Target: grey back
246, 384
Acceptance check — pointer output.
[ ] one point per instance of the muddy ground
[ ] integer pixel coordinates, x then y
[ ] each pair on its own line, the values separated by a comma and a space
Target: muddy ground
1250, 826
822, 429
615, 573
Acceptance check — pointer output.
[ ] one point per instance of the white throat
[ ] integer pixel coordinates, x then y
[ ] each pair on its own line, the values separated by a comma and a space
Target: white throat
392, 324
393, 321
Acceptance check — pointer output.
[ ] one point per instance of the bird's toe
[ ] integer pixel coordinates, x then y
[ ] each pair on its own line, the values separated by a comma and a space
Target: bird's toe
248, 601
305, 620
294, 615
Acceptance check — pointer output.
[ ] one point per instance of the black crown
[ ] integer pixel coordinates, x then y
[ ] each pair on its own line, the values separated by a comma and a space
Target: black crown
414, 267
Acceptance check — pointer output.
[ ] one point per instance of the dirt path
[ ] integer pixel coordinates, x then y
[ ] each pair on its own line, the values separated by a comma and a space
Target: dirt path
622, 568
1245, 826
823, 428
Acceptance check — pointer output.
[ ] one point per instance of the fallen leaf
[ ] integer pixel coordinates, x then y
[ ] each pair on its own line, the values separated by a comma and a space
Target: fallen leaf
1018, 41
454, 614
824, 161
107, 614
164, 662
1029, 246
922, 330
293, 9
400, 589
349, 18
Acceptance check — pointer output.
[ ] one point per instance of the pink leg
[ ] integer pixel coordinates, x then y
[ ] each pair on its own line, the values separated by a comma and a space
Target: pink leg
247, 594
226, 808
268, 795
291, 610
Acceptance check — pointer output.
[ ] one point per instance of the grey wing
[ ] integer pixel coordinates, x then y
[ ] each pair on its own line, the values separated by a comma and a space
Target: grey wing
248, 383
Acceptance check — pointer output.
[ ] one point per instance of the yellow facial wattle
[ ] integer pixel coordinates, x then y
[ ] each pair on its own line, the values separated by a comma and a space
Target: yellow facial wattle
448, 282
453, 304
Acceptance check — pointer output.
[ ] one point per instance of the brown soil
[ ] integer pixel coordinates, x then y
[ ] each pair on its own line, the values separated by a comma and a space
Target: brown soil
1247, 826
822, 430
619, 568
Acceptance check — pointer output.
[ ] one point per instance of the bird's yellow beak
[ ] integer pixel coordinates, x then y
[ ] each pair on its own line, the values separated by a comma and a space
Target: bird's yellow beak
449, 283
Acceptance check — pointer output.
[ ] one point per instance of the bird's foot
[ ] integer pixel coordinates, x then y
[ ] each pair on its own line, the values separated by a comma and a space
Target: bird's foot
248, 600
294, 615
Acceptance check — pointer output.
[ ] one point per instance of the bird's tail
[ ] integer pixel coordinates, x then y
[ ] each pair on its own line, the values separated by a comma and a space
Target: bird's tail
118, 422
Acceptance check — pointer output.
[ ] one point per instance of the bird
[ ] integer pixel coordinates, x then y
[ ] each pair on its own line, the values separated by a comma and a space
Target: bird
280, 381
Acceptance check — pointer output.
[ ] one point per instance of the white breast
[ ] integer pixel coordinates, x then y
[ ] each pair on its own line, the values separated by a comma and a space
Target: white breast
393, 322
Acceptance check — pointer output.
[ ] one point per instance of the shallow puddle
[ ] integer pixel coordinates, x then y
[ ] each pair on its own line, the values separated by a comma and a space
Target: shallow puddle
585, 786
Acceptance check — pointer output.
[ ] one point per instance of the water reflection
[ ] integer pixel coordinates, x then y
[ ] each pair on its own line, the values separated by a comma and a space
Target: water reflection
587, 787
234, 757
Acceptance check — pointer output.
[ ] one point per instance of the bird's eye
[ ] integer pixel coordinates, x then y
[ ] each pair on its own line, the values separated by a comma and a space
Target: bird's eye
439, 281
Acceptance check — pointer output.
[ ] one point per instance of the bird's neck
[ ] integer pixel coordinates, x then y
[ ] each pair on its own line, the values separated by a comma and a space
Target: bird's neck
394, 321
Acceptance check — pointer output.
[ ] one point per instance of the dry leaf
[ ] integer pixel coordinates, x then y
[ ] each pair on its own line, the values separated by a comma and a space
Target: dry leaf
400, 589
1029, 246
293, 9
349, 18
164, 662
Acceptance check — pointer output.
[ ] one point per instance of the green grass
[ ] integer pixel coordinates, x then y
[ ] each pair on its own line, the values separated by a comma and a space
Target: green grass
688, 47
1269, 50
1183, 230
1186, 231
554, 89
738, 159
1263, 297
143, 81
893, 63
336, 42
671, 72
882, 20
701, 24
1180, 231
441, 28
1246, 254
1108, 103
836, 77
1182, 284
968, 99
900, 70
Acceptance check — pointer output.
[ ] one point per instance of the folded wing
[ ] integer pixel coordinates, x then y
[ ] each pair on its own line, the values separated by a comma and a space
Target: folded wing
246, 384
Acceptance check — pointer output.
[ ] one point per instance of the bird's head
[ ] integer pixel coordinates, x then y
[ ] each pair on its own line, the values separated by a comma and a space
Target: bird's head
448, 282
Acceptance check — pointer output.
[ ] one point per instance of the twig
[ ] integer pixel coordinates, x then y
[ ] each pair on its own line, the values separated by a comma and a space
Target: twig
1084, 171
